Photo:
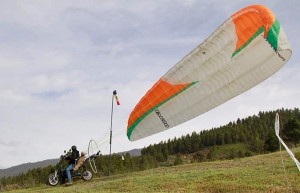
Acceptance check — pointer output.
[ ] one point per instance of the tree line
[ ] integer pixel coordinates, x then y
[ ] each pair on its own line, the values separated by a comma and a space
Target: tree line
245, 137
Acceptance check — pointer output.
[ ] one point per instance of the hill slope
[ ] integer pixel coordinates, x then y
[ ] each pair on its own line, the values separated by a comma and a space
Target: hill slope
23, 168
263, 173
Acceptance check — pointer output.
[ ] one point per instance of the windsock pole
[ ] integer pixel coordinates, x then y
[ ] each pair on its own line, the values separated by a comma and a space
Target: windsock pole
111, 123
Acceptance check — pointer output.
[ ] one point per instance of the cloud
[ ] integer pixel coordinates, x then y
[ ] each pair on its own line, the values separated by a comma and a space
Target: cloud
8, 144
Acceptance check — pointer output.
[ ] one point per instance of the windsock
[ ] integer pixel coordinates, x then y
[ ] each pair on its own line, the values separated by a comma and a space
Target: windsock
116, 97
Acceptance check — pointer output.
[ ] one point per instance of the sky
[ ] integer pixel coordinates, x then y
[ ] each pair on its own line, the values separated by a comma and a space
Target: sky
60, 62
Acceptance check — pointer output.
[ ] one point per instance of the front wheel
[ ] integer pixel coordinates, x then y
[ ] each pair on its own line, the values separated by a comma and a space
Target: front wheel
87, 175
53, 179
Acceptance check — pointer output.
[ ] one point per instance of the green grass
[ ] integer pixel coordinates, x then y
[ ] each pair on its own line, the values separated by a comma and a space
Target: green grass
263, 173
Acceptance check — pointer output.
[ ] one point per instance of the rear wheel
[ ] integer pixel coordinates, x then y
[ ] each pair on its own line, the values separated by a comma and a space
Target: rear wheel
53, 179
87, 175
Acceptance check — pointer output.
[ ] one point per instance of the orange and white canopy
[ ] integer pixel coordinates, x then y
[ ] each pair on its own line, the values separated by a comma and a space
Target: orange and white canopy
245, 50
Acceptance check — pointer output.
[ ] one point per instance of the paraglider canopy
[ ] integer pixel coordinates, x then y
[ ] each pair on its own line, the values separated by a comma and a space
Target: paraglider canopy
245, 50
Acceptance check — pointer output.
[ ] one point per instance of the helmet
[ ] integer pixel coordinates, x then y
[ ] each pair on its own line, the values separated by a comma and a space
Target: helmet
83, 153
73, 147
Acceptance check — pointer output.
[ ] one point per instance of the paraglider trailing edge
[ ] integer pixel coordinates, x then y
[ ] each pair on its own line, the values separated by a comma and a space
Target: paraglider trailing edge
114, 96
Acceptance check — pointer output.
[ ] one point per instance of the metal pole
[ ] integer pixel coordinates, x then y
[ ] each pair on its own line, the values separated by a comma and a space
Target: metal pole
110, 138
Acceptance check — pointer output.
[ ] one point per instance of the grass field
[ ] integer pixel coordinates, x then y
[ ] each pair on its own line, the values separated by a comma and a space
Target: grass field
263, 173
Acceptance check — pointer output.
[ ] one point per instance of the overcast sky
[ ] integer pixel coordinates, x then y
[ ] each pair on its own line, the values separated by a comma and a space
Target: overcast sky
61, 60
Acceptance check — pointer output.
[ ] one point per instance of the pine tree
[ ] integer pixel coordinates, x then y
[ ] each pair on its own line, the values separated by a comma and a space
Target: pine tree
291, 131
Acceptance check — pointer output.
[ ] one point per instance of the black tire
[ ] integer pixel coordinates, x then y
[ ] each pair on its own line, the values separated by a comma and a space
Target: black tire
53, 180
87, 175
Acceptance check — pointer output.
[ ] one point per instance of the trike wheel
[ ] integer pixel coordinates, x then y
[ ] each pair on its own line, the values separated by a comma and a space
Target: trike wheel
53, 179
87, 175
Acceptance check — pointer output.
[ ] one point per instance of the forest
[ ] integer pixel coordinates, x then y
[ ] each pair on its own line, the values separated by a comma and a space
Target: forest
245, 137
